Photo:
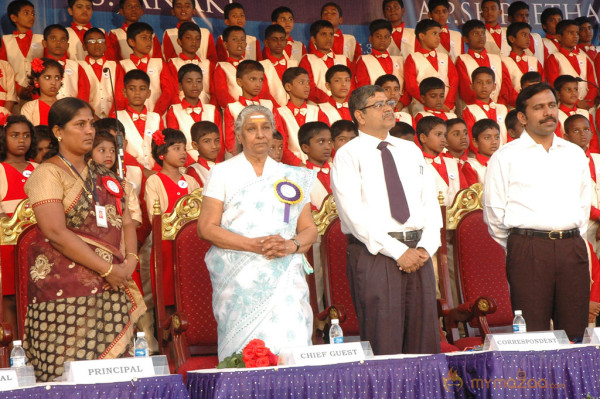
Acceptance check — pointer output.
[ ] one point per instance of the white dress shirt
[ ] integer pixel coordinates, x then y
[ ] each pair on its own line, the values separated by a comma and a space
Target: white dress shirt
360, 192
531, 188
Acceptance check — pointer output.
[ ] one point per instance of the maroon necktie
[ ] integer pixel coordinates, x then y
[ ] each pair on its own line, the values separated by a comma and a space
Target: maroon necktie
397, 198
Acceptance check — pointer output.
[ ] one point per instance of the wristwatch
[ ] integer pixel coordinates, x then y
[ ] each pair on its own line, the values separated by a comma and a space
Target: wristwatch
297, 245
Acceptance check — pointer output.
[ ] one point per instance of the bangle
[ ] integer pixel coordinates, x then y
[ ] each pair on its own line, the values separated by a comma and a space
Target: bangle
137, 258
108, 272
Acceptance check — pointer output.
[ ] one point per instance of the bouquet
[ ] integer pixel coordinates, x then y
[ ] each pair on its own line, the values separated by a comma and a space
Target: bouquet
255, 354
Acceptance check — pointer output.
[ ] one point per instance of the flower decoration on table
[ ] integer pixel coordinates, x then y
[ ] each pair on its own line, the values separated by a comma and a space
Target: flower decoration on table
37, 65
255, 354
158, 138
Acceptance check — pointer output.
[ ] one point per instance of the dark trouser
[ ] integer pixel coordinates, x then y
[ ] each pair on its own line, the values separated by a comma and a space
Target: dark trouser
396, 311
549, 279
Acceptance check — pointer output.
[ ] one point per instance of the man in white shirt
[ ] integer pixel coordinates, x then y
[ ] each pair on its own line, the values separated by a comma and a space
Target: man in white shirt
536, 202
391, 237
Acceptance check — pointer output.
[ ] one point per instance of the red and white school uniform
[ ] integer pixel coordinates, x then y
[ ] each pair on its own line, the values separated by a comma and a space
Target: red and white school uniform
231, 113
317, 65
451, 43
536, 47
200, 170
335, 111
99, 85
495, 40
7, 83
12, 192
342, 44
574, 63
36, 112
274, 69
551, 46
207, 69
590, 50
206, 51
564, 112
372, 66
448, 177
294, 50
183, 116
481, 110
426, 64
139, 128
468, 172
405, 117
467, 63
19, 49
253, 51
479, 165
162, 84
322, 187
168, 192
594, 162
290, 118
117, 40
71, 85
225, 87
134, 173
75, 50
516, 66
434, 112
404, 41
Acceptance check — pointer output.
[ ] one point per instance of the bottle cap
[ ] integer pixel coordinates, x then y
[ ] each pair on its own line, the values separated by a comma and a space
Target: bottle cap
335, 321
518, 313
17, 343
141, 334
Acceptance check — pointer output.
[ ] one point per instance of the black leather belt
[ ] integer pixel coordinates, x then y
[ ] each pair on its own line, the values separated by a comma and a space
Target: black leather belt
407, 235
552, 235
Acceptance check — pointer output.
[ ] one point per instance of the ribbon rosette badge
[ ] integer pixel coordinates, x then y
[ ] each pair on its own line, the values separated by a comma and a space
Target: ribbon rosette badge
289, 193
112, 186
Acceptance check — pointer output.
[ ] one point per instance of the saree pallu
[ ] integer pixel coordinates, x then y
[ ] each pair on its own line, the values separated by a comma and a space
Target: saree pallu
254, 297
70, 316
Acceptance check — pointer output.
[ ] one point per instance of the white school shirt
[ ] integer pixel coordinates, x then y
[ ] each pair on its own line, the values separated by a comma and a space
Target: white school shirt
360, 192
531, 188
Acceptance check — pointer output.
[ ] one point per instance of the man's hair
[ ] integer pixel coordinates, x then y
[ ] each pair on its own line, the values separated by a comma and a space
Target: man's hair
450, 123
273, 28
402, 129
90, 31
564, 24
386, 2
136, 74
436, 3
514, 28
572, 119
515, 7
229, 30
188, 68
48, 30
380, 24
332, 4
482, 125
562, 80
110, 124
383, 79
531, 91
343, 125
359, 97
310, 130
426, 125
278, 11
584, 20
71, 3
187, 27
202, 128
470, 25
335, 69
549, 12
247, 66
136, 28
482, 70
292, 73
14, 7
425, 25
317, 26
230, 7
511, 119
491, 1
175, 2
122, 3
530, 77
277, 135
431, 83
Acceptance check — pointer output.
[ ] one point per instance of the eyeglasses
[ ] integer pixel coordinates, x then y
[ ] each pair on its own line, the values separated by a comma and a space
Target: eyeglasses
96, 41
380, 104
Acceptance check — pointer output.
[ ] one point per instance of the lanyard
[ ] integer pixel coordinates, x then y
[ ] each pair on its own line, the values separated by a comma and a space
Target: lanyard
91, 192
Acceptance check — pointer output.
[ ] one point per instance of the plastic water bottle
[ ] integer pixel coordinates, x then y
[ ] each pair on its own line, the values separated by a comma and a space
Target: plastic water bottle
519, 325
141, 345
17, 355
336, 335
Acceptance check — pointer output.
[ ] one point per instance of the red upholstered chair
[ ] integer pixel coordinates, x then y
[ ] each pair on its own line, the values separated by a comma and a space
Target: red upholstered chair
189, 336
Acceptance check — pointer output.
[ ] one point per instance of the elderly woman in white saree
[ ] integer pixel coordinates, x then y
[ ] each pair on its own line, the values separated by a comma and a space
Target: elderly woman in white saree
256, 213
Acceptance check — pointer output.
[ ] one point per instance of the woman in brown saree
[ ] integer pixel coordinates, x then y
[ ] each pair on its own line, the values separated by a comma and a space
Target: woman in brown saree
82, 303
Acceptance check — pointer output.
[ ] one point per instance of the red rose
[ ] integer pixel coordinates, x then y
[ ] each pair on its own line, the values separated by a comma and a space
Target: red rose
261, 351
273, 359
250, 364
262, 362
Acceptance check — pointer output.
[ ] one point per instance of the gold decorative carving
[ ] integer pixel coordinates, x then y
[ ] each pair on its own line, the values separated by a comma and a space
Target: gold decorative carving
483, 306
466, 200
324, 216
186, 209
176, 322
12, 227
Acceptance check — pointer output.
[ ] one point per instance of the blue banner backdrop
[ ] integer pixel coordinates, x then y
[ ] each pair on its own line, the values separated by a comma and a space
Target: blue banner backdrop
357, 15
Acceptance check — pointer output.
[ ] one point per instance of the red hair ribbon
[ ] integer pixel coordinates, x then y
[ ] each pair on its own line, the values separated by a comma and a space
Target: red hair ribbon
37, 65
158, 138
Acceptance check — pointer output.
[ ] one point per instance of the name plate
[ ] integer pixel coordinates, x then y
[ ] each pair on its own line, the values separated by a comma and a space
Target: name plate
327, 354
540, 340
591, 336
110, 370
8, 379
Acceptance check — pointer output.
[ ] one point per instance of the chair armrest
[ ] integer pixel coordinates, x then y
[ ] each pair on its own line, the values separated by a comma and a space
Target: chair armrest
6, 334
443, 310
